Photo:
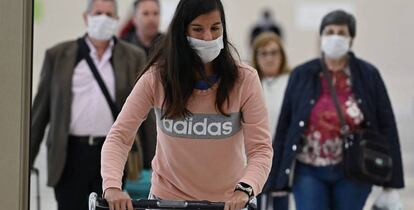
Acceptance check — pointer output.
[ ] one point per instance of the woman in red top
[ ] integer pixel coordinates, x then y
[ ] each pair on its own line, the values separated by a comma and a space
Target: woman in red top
308, 143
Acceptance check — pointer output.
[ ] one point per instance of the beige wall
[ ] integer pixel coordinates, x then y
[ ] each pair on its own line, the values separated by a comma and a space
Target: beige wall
15, 57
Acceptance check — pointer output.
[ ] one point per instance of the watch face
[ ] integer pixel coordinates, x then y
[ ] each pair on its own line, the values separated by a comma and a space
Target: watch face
247, 190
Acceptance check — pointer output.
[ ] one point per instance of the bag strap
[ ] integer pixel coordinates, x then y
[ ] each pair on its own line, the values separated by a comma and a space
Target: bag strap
344, 127
84, 52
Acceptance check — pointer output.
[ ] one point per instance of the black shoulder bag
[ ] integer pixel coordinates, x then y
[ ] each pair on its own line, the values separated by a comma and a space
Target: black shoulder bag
134, 162
366, 153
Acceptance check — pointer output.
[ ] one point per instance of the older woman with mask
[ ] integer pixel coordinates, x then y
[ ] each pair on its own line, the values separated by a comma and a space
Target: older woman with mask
270, 61
308, 137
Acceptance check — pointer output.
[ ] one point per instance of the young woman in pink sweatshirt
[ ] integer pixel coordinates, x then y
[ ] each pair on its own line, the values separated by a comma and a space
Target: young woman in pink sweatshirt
213, 140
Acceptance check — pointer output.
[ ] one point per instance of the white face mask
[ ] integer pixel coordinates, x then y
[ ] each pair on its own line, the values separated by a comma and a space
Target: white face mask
335, 46
101, 27
207, 50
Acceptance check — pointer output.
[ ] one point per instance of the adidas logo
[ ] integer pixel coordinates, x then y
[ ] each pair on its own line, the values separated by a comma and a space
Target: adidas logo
203, 128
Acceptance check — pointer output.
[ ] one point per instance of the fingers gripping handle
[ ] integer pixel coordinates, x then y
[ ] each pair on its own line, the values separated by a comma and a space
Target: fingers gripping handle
96, 203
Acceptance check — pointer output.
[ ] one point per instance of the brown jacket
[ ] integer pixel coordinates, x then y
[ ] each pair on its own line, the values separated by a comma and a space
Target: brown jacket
52, 104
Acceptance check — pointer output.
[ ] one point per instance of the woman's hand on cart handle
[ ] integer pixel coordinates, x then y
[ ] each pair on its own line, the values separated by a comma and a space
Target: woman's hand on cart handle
237, 201
117, 199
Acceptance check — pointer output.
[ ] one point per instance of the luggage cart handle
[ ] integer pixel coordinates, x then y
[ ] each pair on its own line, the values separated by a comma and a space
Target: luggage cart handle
96, 203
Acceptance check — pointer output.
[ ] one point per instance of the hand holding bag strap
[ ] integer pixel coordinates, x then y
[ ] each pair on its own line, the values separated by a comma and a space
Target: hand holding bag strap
344, 127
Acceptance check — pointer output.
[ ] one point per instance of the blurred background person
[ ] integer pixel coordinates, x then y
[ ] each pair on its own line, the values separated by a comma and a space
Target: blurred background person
265, 24
143, 29
72, 103
308, 137
270, 60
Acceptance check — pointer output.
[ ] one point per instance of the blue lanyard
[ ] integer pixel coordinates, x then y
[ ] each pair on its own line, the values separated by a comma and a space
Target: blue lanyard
204, 85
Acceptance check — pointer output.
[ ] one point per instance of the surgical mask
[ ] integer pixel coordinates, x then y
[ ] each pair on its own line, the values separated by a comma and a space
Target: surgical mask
335, 46
101, 27
207, 50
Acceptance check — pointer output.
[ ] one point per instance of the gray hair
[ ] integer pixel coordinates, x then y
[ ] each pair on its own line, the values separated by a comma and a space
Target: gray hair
90, 4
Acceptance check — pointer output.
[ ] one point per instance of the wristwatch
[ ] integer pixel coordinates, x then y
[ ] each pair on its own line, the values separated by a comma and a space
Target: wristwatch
245, 188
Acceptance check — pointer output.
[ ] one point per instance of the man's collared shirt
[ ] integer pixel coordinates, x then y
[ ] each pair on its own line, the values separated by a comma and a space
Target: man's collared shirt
90, 112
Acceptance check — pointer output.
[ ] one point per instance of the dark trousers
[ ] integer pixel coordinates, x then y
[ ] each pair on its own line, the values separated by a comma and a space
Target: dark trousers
265, 200
80, 177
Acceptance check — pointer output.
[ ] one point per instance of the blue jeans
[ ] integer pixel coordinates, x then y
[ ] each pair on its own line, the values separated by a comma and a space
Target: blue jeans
279, 203
326, 188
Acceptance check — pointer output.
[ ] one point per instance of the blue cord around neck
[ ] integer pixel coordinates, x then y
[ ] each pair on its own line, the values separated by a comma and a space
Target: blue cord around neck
204, 85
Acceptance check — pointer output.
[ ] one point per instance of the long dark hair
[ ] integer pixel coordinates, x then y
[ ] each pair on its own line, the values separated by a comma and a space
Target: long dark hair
179, 65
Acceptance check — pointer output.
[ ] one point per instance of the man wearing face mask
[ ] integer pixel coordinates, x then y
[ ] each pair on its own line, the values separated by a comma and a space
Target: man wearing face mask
309, 140
83, 85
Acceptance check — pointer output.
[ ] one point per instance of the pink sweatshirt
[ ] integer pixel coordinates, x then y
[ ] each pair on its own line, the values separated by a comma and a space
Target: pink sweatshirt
202, 157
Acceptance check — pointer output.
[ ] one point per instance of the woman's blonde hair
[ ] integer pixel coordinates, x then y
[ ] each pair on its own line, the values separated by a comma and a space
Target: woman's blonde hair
262, 40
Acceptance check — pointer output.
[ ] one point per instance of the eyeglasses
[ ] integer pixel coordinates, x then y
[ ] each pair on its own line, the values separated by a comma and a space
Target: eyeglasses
271, 53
